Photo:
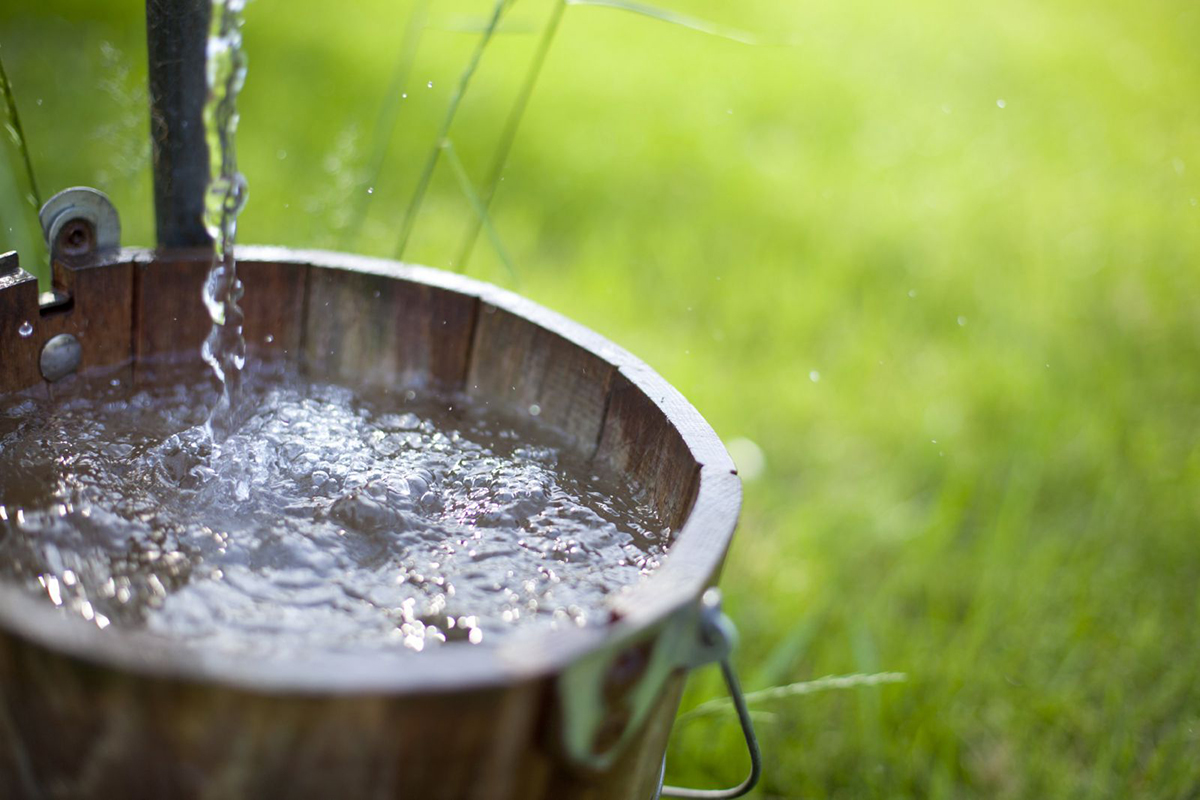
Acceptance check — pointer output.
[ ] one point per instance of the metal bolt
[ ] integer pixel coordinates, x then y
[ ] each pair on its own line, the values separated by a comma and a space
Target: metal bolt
76, 238
60, 357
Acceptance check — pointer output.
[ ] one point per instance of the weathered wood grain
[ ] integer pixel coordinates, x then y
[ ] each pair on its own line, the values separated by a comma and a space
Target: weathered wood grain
19, 354
171, 319
520, 366
376, 330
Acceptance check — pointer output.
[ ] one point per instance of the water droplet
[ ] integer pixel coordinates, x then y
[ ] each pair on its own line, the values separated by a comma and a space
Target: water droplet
1000, 103
370, 190
404, 95
430, 84
962, 321
26, 330
534, 410
269, 338
912, 292
282, 154
814, 376
946, 109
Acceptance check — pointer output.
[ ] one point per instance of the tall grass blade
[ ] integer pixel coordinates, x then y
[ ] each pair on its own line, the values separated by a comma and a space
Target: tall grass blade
464, 181
509, 134
723, 705
17, 134
389, 113
414, 205
462, 23
20, 198
674, 18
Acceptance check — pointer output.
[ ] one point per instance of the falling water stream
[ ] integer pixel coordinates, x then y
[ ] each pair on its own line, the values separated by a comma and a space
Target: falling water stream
225, 347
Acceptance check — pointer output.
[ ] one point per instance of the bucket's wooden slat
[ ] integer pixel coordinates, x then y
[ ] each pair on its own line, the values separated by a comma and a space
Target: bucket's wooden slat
97, 315
639, 441
376, 330
19, 354
170, 318
519, 365
273, 306
89, 732
101, 302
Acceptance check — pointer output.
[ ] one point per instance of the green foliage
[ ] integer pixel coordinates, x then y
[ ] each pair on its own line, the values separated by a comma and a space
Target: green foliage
937, 259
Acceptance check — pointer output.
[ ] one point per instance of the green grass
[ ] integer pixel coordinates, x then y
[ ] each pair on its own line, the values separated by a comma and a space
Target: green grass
993, 487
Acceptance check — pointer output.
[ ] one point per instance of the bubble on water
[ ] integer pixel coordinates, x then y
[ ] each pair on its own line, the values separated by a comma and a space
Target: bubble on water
26, 329
814, 376
534, 410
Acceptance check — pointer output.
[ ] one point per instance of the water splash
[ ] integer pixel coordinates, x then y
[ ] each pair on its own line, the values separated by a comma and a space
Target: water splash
225, 348
334, 520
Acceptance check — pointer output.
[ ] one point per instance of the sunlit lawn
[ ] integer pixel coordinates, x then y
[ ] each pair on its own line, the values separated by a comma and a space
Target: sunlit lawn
938, 261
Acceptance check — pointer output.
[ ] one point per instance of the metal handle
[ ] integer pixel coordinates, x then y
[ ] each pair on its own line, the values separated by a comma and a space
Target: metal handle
718, 632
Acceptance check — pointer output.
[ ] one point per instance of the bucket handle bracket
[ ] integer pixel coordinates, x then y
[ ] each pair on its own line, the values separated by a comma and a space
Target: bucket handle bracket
606, 697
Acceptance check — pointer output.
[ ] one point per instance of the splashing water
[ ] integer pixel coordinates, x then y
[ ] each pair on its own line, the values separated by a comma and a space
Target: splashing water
334, 520
225, 348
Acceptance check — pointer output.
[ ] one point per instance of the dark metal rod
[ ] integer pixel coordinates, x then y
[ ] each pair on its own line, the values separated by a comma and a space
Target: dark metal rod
176, 37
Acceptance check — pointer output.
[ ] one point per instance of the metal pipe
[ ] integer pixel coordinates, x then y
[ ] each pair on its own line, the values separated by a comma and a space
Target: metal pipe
176, 37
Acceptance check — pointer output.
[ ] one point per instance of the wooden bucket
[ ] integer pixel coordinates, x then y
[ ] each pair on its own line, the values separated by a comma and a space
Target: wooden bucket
583, 713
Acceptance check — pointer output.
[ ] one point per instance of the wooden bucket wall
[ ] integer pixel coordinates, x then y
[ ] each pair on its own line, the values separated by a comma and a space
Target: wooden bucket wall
85, 713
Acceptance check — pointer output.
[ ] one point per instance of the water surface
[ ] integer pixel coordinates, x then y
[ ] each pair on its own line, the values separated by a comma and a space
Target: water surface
328, 519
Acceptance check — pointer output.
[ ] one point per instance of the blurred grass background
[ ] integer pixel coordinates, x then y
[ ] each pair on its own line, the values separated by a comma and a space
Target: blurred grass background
938, 260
